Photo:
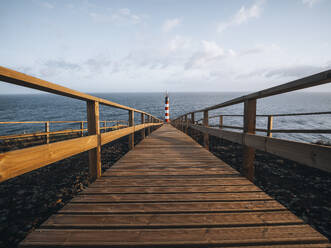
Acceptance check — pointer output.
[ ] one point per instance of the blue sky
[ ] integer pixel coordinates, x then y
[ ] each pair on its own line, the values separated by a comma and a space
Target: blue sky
120, 46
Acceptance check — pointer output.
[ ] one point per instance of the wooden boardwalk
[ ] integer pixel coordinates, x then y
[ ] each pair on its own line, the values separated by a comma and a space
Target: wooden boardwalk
171, 192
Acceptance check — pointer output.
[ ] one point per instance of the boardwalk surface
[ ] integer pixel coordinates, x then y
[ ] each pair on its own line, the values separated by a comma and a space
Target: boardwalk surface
170, 192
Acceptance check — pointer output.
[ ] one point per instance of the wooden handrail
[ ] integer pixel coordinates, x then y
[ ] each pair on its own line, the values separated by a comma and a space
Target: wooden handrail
18, 78
303, 83
43, 122
18, 162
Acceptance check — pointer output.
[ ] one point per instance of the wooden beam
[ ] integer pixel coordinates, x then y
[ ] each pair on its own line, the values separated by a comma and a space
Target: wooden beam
302, 83
18, 78
221, 121
192, 118
249, 127
205, 135
149, 128
131, 124
47, 131
82, 128
143, 122
269, 126
93, 126
18, 162
312, 155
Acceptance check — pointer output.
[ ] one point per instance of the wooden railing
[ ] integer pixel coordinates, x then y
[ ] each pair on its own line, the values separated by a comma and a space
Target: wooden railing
317, 156
18, 162
269, 129
47, 127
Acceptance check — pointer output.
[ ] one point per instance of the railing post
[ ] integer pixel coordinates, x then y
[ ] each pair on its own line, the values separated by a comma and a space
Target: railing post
93, 127
192, 123
249, 127
47, 131
205, 135
82, 129
270, 119
104, 125
221, 121
143, 122
185, 124
149, 128
131, 124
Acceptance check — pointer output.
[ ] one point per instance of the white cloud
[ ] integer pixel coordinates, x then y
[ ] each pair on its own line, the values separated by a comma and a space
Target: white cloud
243, 15
208, 53
310, 3
121, 16
179, 43
170, 24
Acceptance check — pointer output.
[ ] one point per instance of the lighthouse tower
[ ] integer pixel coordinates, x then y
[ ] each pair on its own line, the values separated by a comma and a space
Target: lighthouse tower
166, 109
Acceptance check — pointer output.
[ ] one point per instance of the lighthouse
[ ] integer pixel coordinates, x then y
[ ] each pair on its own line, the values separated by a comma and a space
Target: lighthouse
166, 108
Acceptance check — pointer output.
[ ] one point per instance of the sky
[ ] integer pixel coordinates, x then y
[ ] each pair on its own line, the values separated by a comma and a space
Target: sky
158, 45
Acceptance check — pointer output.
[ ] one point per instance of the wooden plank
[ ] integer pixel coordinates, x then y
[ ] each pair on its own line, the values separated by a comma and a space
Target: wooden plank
103, 181
113, 135
172, 207
171, 189
169, 173
93, 126
172, 220
190, 236
173, 197
15, 163
316, 156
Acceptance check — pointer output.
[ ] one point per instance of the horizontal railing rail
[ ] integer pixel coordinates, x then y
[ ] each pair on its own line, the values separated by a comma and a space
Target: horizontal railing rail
269, 129
18, 162
313, 155
47, 128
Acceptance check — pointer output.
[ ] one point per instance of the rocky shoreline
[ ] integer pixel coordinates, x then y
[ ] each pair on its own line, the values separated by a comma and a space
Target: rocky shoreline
305, 191
28, 200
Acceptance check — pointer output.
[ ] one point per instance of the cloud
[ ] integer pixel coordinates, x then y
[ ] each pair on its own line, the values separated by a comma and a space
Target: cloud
310, 3
170, 24
121, 16
295, 71
242, 16
208, 52
62, 64
179, 43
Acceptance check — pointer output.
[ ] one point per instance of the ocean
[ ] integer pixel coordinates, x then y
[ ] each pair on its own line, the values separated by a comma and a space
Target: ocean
49, 107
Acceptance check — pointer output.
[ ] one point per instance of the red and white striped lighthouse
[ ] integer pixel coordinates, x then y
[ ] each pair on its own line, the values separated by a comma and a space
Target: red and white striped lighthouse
166, 108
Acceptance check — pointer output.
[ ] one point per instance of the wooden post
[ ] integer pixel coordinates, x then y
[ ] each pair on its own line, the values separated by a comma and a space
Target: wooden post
249, 127
185, 124
143, 122
149, 128
221, 121
93, 127
205, 135
82, 129
131, 124
192, 122
270, 119
47, 131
